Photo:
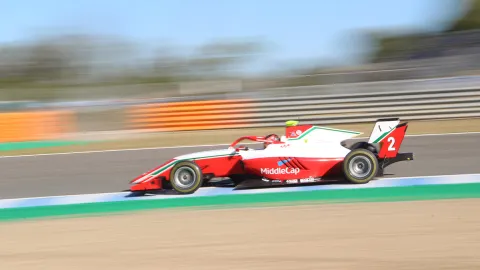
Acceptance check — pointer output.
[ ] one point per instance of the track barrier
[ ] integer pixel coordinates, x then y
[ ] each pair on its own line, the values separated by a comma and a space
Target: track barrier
314, 109
191, 115
35, 125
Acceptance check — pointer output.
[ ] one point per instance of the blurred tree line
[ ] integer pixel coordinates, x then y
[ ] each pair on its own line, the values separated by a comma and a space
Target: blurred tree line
393, 56
42, 67
75, 59
425, 45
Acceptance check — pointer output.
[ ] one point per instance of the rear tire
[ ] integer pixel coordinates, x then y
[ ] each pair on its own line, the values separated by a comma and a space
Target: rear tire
186, 177
360, 166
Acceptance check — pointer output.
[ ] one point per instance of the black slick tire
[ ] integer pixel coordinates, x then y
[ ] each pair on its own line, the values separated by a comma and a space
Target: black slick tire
360, 166
186, 177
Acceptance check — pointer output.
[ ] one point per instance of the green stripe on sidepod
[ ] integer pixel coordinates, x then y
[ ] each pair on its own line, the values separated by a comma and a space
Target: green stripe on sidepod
170, 164
323, 128
383, 135
426, 192
161, 169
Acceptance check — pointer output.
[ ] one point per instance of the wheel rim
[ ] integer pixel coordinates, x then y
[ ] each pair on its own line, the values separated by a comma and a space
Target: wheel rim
360, 166
185, 177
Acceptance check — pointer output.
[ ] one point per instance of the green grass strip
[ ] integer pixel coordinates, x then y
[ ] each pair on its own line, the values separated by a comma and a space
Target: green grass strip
36, 144
384, 194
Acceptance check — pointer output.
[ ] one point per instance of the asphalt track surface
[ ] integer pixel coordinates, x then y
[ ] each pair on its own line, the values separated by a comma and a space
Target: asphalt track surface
100, 172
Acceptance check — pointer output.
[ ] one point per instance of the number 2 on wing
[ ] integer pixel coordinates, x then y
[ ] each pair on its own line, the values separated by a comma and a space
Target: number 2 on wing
391, 140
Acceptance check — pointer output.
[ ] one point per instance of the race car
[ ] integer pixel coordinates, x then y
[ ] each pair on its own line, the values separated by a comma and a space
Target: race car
305, 154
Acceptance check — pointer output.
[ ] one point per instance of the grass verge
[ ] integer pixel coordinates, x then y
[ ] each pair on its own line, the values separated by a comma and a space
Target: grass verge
427, 192
15, 146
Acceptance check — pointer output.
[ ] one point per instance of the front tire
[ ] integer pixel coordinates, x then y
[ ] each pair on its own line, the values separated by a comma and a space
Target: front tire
186, 177
360, 166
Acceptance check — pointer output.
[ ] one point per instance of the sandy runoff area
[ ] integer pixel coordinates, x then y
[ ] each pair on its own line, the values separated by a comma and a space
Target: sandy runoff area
432, 235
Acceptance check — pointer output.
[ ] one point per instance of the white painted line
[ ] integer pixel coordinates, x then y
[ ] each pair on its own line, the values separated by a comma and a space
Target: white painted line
116, 150
207, 145
211, 188
64, 196
429, 176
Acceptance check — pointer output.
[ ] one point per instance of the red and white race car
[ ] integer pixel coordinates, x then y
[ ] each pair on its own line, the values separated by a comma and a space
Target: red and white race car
305, 154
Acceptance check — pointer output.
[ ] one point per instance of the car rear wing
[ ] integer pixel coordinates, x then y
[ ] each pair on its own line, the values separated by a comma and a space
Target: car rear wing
388, 134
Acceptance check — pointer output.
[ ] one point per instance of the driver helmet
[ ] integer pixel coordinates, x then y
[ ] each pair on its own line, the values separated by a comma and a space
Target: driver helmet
270, 139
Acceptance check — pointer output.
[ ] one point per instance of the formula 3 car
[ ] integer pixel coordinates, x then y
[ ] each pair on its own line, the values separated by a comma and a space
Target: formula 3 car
305, 154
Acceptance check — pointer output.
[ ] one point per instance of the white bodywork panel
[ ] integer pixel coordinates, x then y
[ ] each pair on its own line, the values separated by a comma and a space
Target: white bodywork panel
207, 154
317, 142
319, 134
307, 150
382, 127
